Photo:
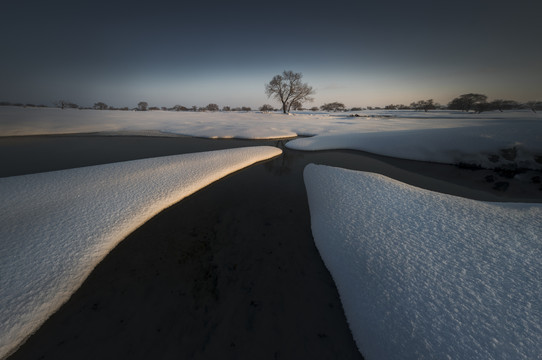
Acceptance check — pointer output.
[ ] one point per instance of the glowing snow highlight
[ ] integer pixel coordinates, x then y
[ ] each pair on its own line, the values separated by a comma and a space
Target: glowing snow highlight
55, 227
428, 275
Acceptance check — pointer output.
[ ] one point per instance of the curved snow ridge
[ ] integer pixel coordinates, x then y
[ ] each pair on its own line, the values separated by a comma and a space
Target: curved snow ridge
489, 146
426, 275
55, 227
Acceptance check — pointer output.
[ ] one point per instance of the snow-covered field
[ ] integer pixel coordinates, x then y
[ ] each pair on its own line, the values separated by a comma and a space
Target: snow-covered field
56, 226
491, 139
420, 274
423, 275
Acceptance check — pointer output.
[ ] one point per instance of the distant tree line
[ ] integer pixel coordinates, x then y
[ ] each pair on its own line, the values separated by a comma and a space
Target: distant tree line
141, 106
479, 104
467, 102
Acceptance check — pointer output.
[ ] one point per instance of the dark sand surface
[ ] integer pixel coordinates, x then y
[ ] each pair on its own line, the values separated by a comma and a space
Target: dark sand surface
230, 272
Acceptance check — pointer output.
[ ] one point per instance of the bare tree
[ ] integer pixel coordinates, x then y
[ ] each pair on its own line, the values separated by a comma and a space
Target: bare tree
288, 89
60, 104
534, 105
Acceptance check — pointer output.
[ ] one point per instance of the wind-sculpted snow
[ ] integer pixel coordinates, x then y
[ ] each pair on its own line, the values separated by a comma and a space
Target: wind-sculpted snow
424, 275
56, 226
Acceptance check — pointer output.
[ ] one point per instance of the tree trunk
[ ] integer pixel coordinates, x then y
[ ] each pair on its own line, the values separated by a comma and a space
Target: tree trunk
284, 108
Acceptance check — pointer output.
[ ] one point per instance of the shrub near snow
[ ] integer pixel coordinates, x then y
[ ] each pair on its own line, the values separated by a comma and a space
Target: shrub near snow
426, 275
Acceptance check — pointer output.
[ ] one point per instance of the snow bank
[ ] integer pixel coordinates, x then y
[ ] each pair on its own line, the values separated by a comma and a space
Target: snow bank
427, 275
56, 226
441, 136
489, 146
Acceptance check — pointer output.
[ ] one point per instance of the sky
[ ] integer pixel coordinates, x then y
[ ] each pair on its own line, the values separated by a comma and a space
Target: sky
360, 53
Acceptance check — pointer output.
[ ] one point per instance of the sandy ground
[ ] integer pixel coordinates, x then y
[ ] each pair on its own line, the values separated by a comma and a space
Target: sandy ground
230, 272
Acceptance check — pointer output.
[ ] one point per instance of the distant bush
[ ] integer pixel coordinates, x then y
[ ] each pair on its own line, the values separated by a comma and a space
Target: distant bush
423, 105
334, 106
100, 106
298, 106
179, 108
467, 102
246, 108
62, 104
142, 106
212, 107
266, 108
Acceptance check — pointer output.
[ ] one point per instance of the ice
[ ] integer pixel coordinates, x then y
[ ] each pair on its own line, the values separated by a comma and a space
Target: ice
426, 275
56, 226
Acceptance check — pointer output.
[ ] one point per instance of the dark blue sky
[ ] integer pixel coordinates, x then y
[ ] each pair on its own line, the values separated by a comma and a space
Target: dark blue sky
195, 53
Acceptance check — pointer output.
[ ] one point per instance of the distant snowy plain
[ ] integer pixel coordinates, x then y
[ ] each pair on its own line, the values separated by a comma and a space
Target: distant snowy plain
433, 280
55, 227
491, 139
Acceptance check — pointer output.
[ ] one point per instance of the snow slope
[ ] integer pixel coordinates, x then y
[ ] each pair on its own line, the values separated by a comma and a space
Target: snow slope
426, 275
56, 226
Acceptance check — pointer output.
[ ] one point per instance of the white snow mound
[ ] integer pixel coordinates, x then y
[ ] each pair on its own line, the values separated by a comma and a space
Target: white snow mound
55, 227
426, 275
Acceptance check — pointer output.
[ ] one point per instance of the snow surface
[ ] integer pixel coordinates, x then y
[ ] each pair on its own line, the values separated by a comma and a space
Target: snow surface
489, 146
426, 275
441, 136
55, 227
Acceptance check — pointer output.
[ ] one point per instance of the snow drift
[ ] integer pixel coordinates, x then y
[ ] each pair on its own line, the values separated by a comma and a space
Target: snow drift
427, 275
488, 146
56, 226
